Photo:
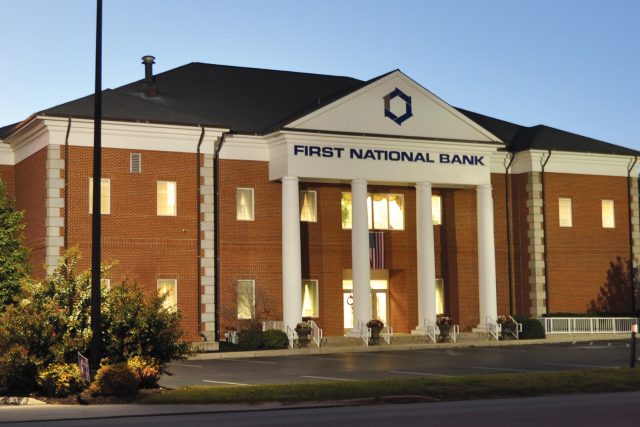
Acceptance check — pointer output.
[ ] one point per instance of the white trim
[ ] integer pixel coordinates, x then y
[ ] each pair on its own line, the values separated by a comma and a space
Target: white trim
7, 156
574, 163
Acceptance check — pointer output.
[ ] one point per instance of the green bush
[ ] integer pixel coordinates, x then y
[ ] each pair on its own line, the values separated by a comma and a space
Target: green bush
115, 380
61, 379
18, 371
274, 338
531, 328
146, 370
250, 339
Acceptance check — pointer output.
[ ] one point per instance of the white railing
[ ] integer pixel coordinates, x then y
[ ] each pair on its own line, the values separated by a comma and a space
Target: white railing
316, 333
387, 334
364, 333
518, 327
454, 331
588, 325
430, 330
493, 328
280, 325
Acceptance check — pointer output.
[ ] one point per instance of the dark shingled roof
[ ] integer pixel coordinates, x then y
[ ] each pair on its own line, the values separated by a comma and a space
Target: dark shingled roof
259, 101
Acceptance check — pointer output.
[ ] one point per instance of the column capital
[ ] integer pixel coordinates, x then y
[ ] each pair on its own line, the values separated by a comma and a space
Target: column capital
484, 187
359, 181
290, 178
423, 184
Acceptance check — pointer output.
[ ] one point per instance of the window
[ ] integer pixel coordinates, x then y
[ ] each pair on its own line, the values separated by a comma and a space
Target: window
135, 164
608, 214
436, 210
384, 211
169, 289
246, 299
439, 296
565, 214
244, 204
308, 206
105, 196
166, 198
310, 298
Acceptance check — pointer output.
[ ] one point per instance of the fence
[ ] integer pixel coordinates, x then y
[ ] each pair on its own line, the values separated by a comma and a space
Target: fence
588, 325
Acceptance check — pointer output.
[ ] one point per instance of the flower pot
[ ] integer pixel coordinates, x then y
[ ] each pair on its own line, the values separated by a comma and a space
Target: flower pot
508, 331
444, 333
304, 336
375, 335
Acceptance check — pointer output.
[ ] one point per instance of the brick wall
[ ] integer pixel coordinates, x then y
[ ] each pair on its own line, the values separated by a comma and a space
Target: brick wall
7, 175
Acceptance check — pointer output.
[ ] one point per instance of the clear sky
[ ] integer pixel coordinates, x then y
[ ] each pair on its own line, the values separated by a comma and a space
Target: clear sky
570, 64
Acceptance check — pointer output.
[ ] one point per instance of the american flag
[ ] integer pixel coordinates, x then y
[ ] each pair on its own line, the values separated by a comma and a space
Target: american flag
376, 249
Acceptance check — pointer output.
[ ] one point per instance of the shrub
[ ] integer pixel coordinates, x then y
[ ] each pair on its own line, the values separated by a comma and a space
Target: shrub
18, 371
274, 338
531, 328
61, 379
115, 380
250, 339
146, 370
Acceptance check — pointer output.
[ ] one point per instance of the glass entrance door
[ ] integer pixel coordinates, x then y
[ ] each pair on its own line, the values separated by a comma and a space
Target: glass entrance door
379, 301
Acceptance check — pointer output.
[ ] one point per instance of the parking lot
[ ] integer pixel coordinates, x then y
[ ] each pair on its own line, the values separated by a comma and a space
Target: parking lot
400, 363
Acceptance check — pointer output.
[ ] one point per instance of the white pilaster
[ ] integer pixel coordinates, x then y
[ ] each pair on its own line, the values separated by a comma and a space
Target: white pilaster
55, 207
360, 253
291, 262
486, 255
426, 256
207, 267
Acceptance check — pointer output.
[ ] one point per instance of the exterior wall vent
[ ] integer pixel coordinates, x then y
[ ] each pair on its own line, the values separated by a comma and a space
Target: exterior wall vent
136, 163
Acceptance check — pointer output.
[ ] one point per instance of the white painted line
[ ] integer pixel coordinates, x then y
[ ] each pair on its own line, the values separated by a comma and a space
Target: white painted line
223, 382
314, 357
582, 366
419, 373
188, 366
324, 378
250, 361
499, 369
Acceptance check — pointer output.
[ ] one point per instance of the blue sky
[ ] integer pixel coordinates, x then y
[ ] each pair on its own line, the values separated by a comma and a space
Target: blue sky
574, 65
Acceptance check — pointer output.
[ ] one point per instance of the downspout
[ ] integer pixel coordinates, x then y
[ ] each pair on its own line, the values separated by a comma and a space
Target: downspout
630, 212
508, 215
216, 231
199, 239
544, 229
66, 186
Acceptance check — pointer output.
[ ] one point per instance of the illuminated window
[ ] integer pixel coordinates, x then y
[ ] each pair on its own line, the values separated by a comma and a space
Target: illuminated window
246, 299
608, 215
565, 212
436, 210
105, 196
308, 206
244, 204
169, 289
439, 296
384, 211
166, 198
310, 298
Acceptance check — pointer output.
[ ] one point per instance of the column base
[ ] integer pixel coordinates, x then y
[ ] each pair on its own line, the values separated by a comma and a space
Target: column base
418, 330
480, 329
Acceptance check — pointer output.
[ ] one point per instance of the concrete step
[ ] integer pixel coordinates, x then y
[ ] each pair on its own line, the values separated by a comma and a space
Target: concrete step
398, 339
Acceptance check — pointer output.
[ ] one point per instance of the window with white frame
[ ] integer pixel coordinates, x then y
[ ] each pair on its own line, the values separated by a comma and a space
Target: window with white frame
310, 298
436, 209
246, 299
608, 214
384, 211
169, 289
105, 196
308, 206
244, 204
565, 212
167, 198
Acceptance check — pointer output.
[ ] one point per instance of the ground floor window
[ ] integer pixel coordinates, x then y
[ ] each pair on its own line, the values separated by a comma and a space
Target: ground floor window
169, 288
246, 299
310, 298
439, 296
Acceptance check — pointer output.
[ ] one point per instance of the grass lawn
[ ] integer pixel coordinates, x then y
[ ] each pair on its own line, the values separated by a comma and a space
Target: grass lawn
441, 388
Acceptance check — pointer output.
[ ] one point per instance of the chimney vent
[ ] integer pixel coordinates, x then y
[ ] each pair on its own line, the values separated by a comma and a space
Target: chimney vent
150, 88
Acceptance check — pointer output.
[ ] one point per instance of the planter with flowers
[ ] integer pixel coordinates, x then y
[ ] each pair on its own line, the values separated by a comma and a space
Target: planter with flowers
376, 327
444, 324
508, 326
303, 329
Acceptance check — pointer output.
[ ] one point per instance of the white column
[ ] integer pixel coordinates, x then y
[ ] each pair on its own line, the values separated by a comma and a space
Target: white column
360, 253
426, 256
291, 263
486, 255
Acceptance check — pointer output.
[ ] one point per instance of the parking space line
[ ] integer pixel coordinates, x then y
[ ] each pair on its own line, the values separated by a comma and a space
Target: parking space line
324, 378
582, 366
490, 368
223, 382
188, 366
314, 357
419, 373
250, 361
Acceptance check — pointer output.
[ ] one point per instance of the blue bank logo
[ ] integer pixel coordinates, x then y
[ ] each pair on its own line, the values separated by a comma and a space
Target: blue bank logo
398, 116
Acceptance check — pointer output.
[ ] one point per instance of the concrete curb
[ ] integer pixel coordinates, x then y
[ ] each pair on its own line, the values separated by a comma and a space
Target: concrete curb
20, 401
403, 347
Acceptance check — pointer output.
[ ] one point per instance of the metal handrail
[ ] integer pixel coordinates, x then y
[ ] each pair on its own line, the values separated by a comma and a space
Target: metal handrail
316, 333
387, 333
588, 325
364, 332
493, 328
430, 330
518, 326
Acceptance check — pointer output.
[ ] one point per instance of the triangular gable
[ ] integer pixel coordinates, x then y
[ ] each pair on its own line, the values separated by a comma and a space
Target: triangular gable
394, 105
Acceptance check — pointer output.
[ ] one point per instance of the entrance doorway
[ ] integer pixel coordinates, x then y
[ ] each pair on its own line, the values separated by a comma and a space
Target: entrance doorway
379, 285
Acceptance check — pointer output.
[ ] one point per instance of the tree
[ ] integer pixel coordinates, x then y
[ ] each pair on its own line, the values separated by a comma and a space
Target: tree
14, 256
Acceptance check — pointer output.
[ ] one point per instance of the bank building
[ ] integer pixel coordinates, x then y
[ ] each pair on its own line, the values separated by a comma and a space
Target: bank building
272, 195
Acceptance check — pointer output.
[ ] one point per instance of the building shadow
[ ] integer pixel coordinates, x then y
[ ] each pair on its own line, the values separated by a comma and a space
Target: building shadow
617, 293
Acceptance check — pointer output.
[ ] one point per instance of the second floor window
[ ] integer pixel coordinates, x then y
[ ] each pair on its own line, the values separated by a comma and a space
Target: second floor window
105, 196
167, 198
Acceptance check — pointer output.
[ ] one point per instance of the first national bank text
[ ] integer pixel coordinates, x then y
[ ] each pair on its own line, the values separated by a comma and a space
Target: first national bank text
386, 155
